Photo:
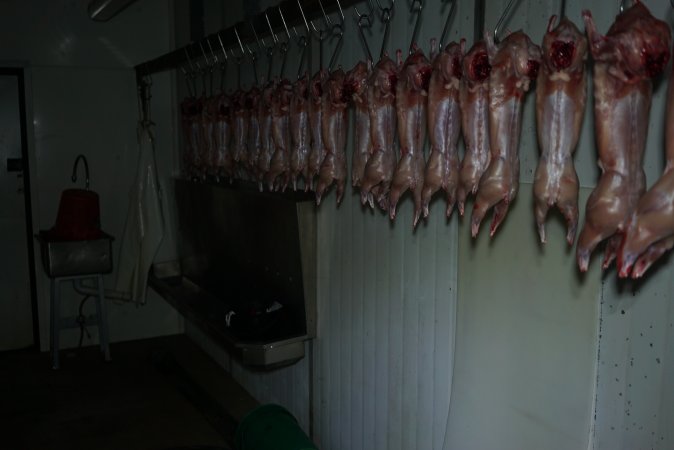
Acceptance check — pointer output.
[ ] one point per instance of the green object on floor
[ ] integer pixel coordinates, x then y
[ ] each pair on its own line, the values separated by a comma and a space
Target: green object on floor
271, 427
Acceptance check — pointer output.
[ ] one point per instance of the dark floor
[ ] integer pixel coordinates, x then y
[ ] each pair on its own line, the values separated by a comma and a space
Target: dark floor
162, 393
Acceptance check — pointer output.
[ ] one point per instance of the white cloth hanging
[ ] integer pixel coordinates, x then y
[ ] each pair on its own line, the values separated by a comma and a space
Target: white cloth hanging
144, 228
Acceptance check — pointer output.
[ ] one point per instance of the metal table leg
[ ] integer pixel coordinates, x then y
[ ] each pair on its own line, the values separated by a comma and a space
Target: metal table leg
102, 319
55, 321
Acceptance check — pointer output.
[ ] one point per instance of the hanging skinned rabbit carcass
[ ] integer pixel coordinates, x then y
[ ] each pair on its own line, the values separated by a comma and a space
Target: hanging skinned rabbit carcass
514, 64
634, 51
444, 126
474, 102
381, 96
560, 108
444, 120
650, 233
411, 109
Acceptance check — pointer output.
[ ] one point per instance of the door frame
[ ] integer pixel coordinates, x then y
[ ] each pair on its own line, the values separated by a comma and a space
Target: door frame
20, 74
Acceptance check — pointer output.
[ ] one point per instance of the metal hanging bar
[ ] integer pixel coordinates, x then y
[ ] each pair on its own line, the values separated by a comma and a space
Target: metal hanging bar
417, 6
365, 21
292, 14
445, 29
502, 19
386, 14
562, 10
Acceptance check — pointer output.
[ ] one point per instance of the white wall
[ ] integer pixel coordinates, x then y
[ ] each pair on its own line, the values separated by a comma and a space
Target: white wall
544, 358
82, 99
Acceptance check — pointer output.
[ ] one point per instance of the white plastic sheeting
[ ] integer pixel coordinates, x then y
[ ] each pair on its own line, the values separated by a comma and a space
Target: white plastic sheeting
144, 229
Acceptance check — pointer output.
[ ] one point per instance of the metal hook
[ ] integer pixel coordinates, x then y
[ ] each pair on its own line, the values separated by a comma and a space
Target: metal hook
191, 74
302, 43
270, 48
336, 30
86, 169
320, 34
622, 5
223, 64
210, 64
562, 10
284, 45
213, 55
222, 46
417, 6
253, 61
203, 52
144, 99
202, 72
243, 50
441, 41
187, 81
386, 14
365, 21
252, 54
274, 38
189, 60
501, 20
239, 59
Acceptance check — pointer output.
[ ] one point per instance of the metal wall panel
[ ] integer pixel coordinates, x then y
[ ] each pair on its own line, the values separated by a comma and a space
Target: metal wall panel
634, 387
526, 351
385, 336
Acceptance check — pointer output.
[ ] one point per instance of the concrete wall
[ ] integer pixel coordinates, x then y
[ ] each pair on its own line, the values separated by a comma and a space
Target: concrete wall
82, 99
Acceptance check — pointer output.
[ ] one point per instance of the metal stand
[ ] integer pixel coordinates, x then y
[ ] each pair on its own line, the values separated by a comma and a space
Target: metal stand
59, 323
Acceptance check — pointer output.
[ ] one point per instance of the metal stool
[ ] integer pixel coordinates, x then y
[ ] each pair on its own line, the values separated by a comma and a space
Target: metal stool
59, 323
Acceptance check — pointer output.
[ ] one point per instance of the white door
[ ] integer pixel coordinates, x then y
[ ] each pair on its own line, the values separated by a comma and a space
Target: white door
16, 320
